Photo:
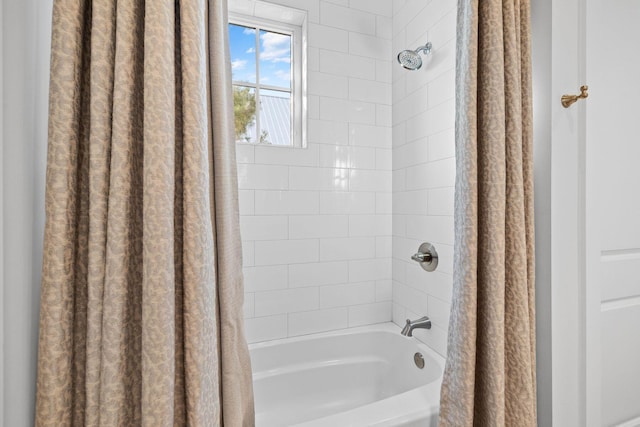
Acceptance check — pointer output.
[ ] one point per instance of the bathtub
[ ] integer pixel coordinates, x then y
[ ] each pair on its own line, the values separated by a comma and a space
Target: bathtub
354, 377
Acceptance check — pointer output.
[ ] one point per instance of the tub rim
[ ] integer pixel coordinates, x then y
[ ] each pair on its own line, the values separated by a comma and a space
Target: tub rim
387, 327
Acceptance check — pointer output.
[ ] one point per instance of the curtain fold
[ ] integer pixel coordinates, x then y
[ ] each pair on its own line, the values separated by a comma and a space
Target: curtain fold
490, 374
141, 307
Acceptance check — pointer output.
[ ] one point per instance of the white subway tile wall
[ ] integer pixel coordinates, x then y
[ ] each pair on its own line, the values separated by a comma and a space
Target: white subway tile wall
423, 165
316, 222
328, 230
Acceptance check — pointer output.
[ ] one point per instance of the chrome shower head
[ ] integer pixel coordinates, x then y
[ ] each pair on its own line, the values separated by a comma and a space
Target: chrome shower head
410, 59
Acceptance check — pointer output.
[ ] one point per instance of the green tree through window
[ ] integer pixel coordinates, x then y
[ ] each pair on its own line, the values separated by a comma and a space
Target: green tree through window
244, 110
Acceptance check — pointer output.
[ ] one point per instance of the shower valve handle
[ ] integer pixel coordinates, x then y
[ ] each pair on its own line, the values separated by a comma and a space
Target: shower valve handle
426, 256
419, 257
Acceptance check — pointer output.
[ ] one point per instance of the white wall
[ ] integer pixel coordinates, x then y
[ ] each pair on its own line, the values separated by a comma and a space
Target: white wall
424, 164
542, 99
26, 37
1, 219
316, 222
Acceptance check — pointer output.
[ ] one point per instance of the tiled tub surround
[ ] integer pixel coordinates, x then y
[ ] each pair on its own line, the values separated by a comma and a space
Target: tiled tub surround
316, 221
424, 164
328, 230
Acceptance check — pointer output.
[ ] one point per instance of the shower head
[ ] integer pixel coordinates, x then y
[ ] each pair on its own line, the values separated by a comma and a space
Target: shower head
410, 59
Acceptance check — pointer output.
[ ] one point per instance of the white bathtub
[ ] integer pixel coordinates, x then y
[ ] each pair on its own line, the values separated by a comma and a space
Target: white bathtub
355, 377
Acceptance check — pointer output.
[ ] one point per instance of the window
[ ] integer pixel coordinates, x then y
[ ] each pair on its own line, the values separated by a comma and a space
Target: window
268, 84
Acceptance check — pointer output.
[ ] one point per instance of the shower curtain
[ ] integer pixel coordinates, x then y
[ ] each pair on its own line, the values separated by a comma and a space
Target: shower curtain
490, 374
142, 289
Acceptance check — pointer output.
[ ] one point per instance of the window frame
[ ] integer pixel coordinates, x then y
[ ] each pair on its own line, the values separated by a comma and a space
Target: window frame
298, 90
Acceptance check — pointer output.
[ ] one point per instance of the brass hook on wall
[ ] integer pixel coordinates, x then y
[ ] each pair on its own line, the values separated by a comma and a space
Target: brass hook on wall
569, 100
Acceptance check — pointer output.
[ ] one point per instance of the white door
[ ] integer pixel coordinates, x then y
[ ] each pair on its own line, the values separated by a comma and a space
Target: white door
612, 207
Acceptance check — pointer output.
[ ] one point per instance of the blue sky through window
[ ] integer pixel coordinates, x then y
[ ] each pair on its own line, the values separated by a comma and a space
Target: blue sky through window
275, 56
242, 43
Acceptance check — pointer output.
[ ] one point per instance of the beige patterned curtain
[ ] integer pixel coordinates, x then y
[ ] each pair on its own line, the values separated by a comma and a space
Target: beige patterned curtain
142, 291
490, 371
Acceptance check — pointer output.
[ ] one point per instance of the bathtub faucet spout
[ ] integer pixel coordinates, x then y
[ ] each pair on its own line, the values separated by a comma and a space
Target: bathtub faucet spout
422, 322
